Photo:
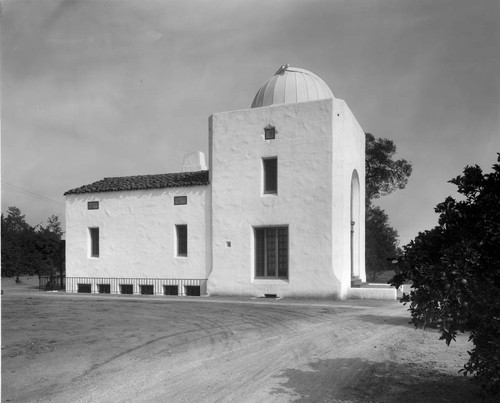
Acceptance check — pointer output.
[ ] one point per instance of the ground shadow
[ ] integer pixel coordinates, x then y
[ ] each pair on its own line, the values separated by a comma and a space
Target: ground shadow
359, 380
387, 320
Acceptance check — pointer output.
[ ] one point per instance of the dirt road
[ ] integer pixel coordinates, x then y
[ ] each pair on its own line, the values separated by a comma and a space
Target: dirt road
63, 348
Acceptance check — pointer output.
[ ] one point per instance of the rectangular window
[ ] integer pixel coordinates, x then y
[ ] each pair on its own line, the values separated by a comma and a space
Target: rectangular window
104, 288
182, 246
179, 200
193, 290
271, 252
87, 288
147, 289
171, 290
94, 242
270, 175
93, 205
126, 289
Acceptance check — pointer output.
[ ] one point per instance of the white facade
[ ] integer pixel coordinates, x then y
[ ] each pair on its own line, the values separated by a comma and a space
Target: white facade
318, 145
319, 204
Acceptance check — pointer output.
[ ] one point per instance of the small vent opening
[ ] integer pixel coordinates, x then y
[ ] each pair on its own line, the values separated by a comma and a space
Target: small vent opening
126, 289
193, 290
85, 288
170, 290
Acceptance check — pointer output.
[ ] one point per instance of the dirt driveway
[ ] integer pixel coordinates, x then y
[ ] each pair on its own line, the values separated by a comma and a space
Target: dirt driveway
69, 348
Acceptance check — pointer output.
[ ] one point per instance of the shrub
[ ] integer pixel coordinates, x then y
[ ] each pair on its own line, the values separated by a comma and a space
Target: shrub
455, 271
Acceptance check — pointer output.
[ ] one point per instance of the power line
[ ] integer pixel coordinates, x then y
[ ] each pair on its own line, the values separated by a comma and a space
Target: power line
29, 193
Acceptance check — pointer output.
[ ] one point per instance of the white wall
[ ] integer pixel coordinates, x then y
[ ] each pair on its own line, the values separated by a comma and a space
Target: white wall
303, 148
318, 144
348, 155
137, 234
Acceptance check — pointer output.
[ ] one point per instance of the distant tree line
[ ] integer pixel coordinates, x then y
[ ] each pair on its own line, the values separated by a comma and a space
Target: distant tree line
28, 250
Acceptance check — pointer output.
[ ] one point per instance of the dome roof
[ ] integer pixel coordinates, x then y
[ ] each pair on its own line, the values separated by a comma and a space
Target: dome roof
291, 85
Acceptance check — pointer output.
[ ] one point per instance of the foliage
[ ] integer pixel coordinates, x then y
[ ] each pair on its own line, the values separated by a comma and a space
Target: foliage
29, 250
455, 271
383, 176
381, 242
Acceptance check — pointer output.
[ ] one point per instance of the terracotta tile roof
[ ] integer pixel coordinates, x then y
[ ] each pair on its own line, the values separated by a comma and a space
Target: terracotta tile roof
141, 182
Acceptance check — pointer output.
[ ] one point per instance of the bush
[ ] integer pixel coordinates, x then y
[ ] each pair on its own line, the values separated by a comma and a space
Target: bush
455, 270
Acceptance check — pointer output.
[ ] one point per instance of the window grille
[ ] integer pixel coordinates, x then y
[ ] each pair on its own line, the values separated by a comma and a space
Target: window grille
170, 290
271, 252
93, 205
269, 133
147, 289
104, 288
193, 290
179, 200
126, 289
86, 288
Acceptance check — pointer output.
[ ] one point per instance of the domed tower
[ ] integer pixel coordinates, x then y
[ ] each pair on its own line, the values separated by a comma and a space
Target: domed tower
287, 179
290, 85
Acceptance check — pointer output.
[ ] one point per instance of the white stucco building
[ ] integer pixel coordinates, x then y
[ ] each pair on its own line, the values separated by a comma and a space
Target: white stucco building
279, 210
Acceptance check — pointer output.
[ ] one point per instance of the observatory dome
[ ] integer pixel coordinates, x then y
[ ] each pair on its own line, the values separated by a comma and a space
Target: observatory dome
291, 85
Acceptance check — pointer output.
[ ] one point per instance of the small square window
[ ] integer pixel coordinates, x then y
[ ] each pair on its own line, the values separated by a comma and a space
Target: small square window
93, 205
269, 133
179, 200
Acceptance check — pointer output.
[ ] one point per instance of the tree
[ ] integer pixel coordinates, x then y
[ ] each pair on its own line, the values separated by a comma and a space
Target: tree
381, 242
455, 271
383, 176
28, 250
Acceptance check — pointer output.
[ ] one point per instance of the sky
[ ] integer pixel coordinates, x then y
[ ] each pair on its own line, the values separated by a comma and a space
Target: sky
95, 88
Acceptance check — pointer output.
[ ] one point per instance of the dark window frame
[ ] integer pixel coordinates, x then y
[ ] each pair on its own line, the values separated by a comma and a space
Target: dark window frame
269, 133
84, 288
104, 288
93, 205
181, 232
94, 242
271, 246
180, 200
126, 289
270, 175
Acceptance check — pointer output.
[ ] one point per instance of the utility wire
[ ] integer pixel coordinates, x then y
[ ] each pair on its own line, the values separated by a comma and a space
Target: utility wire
29, 193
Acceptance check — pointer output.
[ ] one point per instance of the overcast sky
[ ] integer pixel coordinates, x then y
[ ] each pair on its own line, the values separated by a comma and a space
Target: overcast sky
92, 89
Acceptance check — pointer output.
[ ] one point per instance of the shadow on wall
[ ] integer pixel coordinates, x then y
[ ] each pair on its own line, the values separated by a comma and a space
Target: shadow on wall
359, 380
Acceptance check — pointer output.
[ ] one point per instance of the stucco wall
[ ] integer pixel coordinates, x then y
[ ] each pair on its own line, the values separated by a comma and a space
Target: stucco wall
348, 155
318, 145
303, 203
137, 234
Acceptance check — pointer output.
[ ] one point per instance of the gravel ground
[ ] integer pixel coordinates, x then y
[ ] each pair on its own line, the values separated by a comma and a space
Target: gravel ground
61, 347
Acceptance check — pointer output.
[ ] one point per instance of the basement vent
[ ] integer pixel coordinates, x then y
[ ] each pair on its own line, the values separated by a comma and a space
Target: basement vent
126, 289
193, 290
86, 288
147, 289
270, 296
104, 288
170, 290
